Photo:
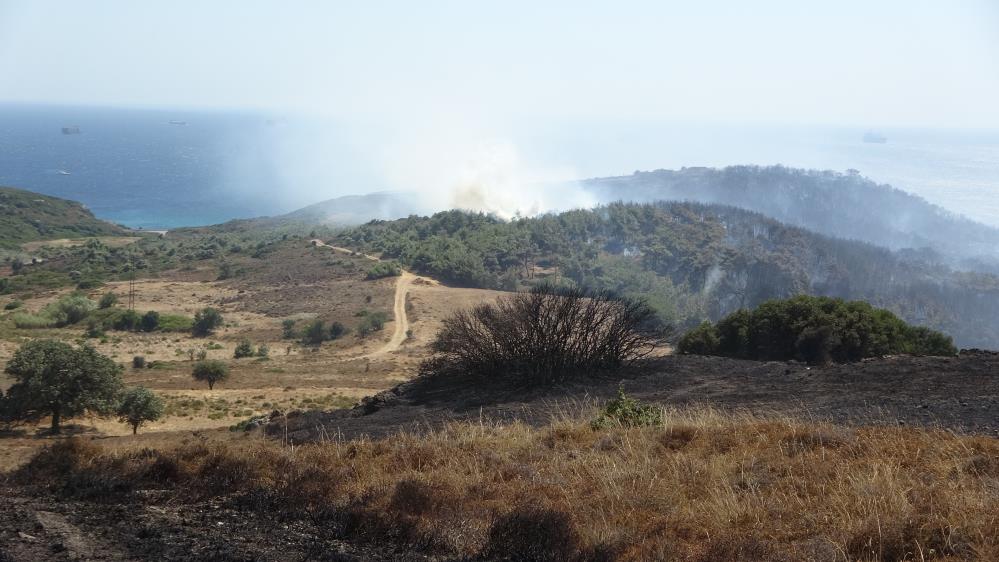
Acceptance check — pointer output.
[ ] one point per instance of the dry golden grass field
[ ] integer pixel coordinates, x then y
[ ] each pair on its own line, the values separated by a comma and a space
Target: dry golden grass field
700, 485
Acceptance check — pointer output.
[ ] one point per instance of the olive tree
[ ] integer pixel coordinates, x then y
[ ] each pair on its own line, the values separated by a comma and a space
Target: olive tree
139, 405
55, 379
210, 371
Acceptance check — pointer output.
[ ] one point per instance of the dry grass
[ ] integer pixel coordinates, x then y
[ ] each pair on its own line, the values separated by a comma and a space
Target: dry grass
702, 486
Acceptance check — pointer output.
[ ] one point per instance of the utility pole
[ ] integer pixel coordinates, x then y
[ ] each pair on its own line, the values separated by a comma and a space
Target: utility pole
131, 285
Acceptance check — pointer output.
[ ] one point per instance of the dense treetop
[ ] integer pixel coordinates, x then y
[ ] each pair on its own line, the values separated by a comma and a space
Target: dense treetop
813, 329
691, 261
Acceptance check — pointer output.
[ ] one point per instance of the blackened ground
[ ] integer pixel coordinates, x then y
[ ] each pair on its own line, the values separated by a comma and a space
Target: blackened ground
960, 393
35, 526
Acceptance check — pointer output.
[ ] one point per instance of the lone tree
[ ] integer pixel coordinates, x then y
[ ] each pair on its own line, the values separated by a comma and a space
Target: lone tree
205, 321
139, 405
55, 379
210, 371
546, 336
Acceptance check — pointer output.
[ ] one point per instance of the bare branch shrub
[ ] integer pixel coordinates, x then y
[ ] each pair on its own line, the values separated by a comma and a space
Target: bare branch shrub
546, 336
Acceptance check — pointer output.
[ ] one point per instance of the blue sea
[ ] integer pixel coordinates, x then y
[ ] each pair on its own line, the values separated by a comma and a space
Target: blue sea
169, 168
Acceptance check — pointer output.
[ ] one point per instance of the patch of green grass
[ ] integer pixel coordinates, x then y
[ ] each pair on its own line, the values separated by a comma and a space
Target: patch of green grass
175, 323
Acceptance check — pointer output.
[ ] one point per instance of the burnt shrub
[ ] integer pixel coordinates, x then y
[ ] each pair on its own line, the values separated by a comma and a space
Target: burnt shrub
546, 336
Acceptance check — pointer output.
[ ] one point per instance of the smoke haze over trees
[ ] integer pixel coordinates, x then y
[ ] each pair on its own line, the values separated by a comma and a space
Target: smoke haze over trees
692, 261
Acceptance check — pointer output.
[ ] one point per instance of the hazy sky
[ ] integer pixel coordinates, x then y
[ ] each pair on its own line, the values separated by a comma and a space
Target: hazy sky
850, 62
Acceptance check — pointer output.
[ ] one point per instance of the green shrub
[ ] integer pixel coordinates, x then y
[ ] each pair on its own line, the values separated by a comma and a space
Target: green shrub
126, 321
702, 340
371, 322
150, 321
108, 300
384, 269
243, 349
94, 329
13, 305
88, 283
337, 330
263, 351
205, 321
70, 309
628, 412
813, 329
288, 331
314, 333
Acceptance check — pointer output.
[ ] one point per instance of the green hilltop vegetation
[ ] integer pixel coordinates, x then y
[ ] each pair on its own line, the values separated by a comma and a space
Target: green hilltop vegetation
692, 261
26, 216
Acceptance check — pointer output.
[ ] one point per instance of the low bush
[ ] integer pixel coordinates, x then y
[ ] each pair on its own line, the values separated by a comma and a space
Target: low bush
813, 329
371, 322
314, 333
68, 310
150, 321
243, 349
13, 305
384, 269
108, 300
627, 412
337, 330
288, 331
138, 362
205, 322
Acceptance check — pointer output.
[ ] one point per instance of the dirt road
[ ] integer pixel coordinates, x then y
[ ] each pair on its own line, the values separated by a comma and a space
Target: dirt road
402, 285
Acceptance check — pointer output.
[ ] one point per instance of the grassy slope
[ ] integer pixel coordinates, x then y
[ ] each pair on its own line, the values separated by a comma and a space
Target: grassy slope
26, 216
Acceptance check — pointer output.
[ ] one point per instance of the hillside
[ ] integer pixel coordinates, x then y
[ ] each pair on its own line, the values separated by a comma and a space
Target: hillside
26, 216
692, 261
836, 204
456, 473
358, 209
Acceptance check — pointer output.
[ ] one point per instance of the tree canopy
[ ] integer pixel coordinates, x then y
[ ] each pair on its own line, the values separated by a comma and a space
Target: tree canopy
55, 379
139, 405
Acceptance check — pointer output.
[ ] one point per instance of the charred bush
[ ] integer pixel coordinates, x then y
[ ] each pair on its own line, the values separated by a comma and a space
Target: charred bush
546, 336
534, 533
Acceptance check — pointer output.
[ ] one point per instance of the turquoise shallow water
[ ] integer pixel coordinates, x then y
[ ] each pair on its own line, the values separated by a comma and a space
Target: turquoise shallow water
136, 168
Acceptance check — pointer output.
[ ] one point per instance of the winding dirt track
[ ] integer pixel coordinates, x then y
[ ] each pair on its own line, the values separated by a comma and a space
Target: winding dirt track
402, 285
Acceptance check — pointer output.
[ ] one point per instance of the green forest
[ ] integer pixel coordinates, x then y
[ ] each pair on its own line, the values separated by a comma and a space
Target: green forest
691, 261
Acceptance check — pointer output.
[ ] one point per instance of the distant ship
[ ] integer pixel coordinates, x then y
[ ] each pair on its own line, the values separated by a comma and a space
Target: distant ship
172, 122
63, 172
876, 138
74, 130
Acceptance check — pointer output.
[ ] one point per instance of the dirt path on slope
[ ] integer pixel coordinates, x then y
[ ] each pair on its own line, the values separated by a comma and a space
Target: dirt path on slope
402, 285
